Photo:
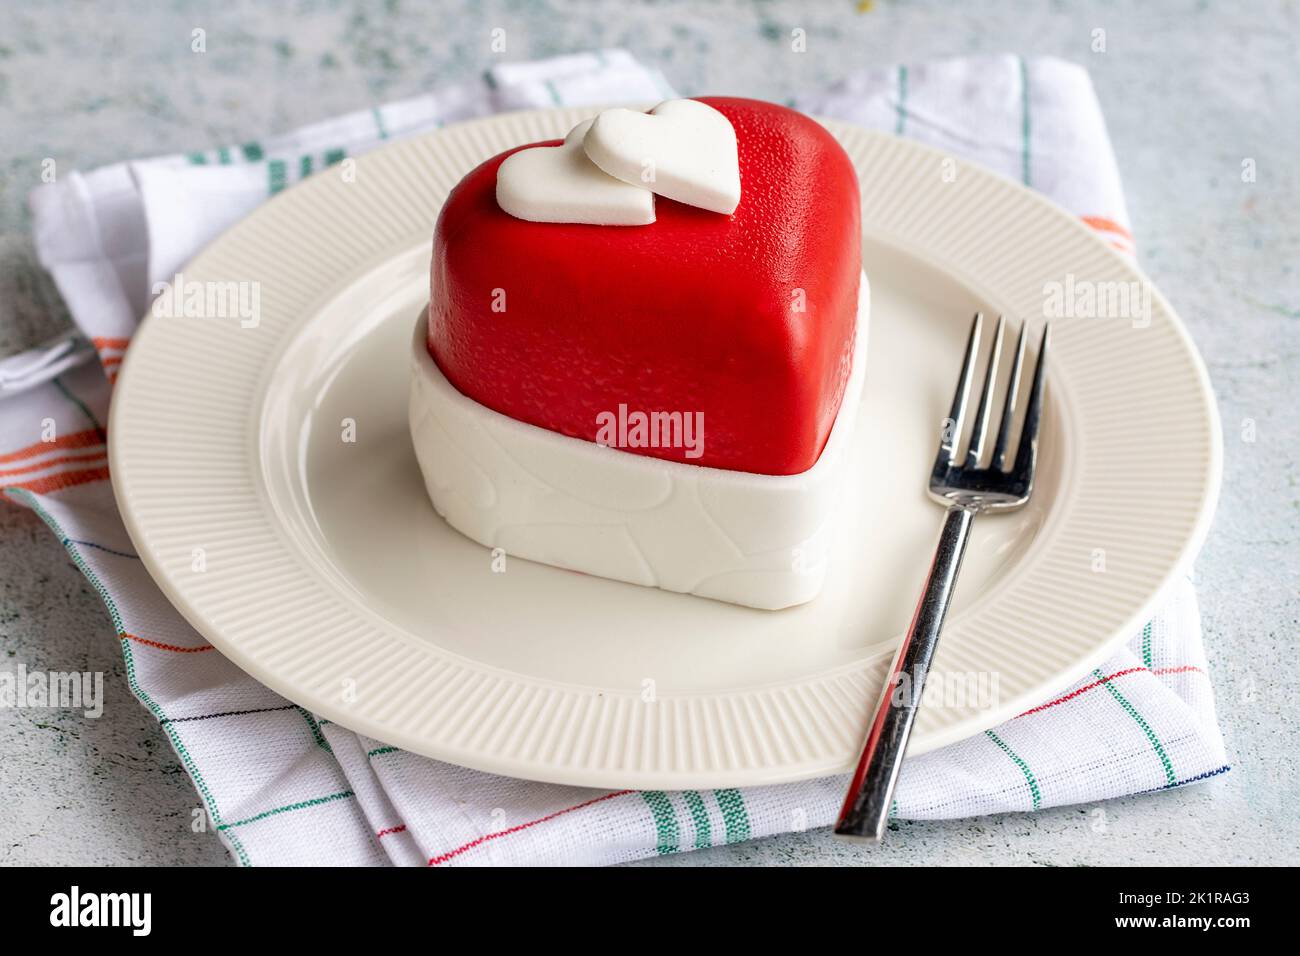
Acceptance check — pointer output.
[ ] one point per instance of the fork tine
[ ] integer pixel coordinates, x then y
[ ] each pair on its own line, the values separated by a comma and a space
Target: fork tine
952, 431
1027, 454
980, 430
1009, 408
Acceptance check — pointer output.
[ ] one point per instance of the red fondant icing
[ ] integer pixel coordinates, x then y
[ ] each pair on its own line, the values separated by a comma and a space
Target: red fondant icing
696, 312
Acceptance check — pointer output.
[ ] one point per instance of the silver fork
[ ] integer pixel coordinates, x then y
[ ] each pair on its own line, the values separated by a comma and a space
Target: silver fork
968, 488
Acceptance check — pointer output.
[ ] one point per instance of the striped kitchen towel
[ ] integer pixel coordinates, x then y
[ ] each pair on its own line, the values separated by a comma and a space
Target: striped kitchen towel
281, 786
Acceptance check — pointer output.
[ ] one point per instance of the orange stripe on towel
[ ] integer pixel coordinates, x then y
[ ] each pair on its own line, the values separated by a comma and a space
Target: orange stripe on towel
84, 439
52, 463
1103, 224
166, 647
64, 479
110, 343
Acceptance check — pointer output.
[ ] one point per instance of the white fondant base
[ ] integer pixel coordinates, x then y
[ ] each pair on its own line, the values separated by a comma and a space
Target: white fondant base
756, 540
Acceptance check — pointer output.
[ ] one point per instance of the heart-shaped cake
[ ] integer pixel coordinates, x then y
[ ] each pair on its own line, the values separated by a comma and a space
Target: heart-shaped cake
744, 321
668, 403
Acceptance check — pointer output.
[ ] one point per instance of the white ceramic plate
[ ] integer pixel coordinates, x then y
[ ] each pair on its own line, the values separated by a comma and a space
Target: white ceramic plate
330, 578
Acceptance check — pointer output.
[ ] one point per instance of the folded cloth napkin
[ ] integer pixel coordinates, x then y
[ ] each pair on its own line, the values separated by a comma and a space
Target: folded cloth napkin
281, 786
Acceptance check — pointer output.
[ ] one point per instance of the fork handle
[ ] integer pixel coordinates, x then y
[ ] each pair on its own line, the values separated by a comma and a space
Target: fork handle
866, 808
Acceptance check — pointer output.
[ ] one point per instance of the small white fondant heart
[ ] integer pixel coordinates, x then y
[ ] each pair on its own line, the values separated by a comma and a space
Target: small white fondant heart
682, 149
560, 184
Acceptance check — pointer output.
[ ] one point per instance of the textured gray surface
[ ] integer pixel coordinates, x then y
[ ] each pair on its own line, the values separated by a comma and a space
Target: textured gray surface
1189, 89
